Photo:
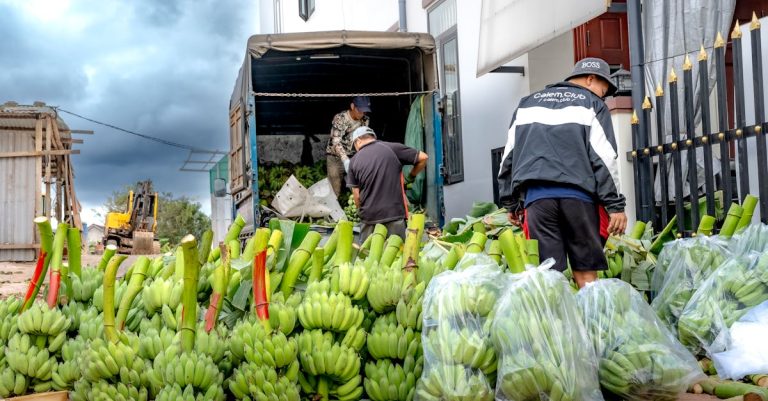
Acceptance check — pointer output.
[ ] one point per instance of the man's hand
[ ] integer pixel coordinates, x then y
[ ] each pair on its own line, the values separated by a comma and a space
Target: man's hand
617, 223
516, 218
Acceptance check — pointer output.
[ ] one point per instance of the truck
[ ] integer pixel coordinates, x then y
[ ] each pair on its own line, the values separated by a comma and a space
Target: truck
291, 85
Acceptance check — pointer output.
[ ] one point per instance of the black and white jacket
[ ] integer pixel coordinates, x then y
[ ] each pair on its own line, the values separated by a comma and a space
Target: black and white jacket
562, 134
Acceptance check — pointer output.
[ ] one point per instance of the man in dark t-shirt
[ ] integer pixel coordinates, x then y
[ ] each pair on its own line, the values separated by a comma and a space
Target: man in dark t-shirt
376, 178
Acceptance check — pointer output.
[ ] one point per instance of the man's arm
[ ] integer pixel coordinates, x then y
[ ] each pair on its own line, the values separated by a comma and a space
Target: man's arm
419, 166
356, 195
337, 132
603, 155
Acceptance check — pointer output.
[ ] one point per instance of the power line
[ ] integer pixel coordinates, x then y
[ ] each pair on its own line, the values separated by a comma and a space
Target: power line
148, 137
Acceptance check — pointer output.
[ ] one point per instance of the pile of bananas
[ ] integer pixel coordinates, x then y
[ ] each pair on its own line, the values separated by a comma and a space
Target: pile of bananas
11, 383
392, 341
349, 391
454, 383
115, 362
28, 359
72, 311
459, 297
467, 347
354, 338
409, 307
195, 370
259, 382
188, 393
91, 324
541, 341
85, 285
9, 308
152, 342
98, 295
251, 343
160, 293
282, 312
389, 381
40, 320
213, 343
351, 280
104, 391
172, 317
387, 285
69, 370
351, 211
321, 355
322, 309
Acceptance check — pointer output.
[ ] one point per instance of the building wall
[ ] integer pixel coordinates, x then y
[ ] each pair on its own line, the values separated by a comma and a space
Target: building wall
551, 62
17, 195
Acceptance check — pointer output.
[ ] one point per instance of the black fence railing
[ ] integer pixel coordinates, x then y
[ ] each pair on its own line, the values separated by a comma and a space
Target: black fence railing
648, 159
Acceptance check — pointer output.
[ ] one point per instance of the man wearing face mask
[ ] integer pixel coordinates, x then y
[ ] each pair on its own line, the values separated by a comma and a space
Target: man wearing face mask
559, 170
340, 149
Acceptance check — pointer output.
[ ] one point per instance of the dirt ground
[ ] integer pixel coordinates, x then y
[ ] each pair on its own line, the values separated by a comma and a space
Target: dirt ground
15, 276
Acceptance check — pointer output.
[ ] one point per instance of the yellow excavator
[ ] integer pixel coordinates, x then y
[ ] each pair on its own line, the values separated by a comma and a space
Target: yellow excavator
133, 232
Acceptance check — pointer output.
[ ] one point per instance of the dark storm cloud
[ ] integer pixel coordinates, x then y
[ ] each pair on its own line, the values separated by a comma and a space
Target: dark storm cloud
161, 68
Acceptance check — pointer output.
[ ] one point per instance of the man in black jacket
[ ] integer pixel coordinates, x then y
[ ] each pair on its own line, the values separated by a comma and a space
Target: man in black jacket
559, 169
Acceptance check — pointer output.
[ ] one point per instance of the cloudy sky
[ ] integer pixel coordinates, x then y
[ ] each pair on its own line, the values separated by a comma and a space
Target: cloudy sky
163, 68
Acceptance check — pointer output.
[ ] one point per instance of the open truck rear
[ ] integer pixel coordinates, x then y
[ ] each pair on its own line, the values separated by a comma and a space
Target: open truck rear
291, 85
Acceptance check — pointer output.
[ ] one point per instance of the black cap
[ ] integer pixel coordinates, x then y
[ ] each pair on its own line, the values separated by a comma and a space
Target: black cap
362, 103
594, 66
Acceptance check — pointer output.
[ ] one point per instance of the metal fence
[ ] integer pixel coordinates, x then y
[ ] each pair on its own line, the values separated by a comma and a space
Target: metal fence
649, 159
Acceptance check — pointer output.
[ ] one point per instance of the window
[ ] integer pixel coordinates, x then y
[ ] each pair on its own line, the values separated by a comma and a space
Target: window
306, 8
442, 25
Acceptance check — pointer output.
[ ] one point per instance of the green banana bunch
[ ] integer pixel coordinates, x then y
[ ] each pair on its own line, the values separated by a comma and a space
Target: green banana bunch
102, 390
85, 285
25, 357
388, 381
152, 342
353, 338
727, 295
40, 320
409, 307
182, 369
136, 315
321, 355
334, 311
213, 344
11, 382
463, 347
9, 326
389, 340
644, 372
9, 306
104, 360
91, 324
72, 311
615, 265
252, 381
453, 383
350, 390
175, 393
69, 370
541, 341
160, 293
351, 280
387, 284
172, 317
459, 297
153, 323
250, 342
98, 295
282, 312
38, 386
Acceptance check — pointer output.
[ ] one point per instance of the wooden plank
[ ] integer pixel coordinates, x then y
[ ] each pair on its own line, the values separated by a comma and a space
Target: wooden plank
73, 199
81, 131
71, 140
19, 246
38, 170
48, 134
41, 153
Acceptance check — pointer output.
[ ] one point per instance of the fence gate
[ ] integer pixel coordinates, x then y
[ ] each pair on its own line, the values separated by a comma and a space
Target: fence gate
648, 159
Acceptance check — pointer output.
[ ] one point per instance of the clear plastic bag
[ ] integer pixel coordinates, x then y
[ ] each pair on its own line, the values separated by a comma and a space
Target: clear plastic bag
640, 359
662, 265
729, 293
319, 201
459, 358
746, 353
691, 261
754, 238
538, 332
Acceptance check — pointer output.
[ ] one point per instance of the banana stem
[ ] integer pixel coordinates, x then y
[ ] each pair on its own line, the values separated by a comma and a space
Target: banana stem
109, 252
706, 225
46, 249
532, 250
297, 261
323, 388
748, 210
495, 251
273, 249
110, 274
477, 243
205, 246
637, 230
189, 295
235, 229
378, 238
234, 249
220, 275
317, 265
413, 242
140, 267
731, 221
392, 249
329, 249
56, 261
179, 271
345, 241
511, 252
34, 284
74, 251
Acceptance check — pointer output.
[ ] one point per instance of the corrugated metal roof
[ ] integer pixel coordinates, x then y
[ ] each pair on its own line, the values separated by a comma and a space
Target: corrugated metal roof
13, 115
17, 195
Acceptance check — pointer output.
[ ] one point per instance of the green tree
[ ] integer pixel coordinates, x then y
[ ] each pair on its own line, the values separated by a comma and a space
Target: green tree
176, 216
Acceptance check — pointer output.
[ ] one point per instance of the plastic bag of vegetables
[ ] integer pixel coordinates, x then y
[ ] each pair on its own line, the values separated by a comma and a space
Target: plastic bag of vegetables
691, 261
729, 293
640, 359
544, 351
459, 358
754, 238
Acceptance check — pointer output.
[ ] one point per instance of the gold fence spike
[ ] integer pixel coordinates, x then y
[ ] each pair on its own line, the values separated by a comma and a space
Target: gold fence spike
673, 145
659, 90
687, 65
646, 151
739, 133
736, 34
719, 41
758, 128
672, 75
721, 136
704, 139
702, 53
755, 24
634, 120
659, 148
688, 142
647, 103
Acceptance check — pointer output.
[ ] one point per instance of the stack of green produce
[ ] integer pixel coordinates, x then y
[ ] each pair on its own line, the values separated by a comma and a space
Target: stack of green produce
740, 284
542, 345
272, 177
460, 360
640, 359
629, 257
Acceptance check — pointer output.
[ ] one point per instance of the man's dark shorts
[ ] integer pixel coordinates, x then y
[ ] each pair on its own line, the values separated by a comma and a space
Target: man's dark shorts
567, 228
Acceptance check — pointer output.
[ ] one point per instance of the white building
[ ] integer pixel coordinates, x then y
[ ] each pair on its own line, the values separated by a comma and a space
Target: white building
481, 107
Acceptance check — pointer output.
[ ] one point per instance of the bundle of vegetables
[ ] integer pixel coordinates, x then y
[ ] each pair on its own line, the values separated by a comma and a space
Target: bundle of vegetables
273, 176
9, 310
84, 286
691, 261
740, 284
456, 332
640, 359
543, 349
484, 216
69, 370
629, 257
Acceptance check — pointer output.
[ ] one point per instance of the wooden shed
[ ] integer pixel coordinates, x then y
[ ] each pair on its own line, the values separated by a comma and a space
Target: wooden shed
36, 176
